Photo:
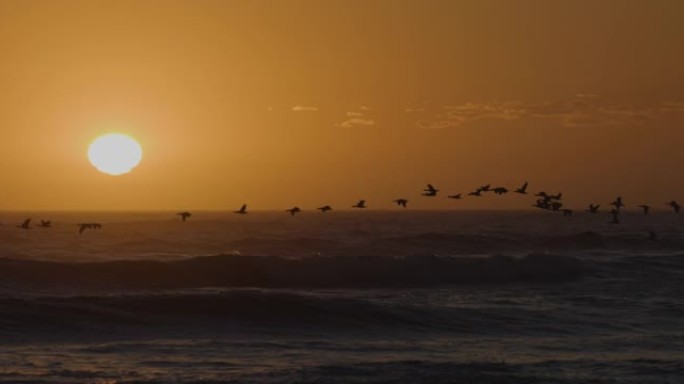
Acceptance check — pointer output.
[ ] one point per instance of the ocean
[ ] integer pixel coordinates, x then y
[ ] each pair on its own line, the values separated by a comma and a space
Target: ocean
397, 296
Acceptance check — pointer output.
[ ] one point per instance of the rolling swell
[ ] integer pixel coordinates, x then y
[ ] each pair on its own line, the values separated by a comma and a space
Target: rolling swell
279, 272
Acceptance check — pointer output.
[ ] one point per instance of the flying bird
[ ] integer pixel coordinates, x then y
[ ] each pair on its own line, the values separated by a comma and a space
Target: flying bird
500, 190
617, 203
401, 202
45, 223
646, 209
242, 210
293, 210
83, 226
184, 215
674, 206
360, 204
477, 193
456, 196
325, 208
593, 208
430, 191
522, 190
25, 224
557, 196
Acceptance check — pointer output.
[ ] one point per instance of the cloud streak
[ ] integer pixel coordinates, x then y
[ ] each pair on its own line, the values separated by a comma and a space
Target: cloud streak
579, 111
301, 108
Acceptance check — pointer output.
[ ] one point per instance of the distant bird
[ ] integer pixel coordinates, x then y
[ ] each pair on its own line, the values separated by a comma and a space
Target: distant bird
45, 223
541, 203
325, 208
556, 206
456, 196
360, 204
567, 212
557, 196
500, 190
617, 203
542, 194
646, 209
83, 226
593, 208
430, 191
184, 215
522, 190
616, 214
293, 210
485, 188
242, 210
25, 224
401, 202
674, 206
477, 192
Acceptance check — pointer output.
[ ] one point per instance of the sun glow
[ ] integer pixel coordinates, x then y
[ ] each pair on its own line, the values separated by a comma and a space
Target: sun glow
115, 154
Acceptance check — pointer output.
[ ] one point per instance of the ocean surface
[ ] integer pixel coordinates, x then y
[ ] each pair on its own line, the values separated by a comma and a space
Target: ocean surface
343, 297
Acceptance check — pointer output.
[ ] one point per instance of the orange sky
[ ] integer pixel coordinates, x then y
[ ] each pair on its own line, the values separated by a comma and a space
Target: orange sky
281, 103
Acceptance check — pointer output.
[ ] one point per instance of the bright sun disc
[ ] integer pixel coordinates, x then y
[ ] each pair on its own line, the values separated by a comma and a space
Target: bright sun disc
115, 154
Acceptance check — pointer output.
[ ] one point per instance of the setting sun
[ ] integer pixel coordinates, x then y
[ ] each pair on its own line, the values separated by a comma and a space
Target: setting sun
115, 154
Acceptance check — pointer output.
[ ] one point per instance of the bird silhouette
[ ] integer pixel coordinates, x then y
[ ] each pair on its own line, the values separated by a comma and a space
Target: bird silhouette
83, 226
293, 210
430, 190
25, 224
325, 208
242, 210
593, 208
617, 203
646, 209
522, 190
486, 188
477, 192
45, 223
456, 196
184, 215
500, 190
401, 202
542, 194
557, 196
674, 206
360, 204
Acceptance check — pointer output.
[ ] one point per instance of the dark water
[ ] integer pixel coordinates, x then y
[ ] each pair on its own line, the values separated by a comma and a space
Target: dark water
434, 297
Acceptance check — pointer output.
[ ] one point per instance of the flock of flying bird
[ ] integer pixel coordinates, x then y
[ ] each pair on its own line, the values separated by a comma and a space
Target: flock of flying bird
545, 201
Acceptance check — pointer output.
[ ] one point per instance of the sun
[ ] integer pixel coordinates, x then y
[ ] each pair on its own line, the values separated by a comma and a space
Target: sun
115, 154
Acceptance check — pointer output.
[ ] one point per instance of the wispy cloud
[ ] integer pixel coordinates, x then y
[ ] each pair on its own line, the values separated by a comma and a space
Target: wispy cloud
302, 108
579, 111
356, 121
357, 117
